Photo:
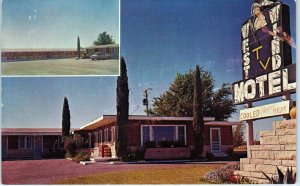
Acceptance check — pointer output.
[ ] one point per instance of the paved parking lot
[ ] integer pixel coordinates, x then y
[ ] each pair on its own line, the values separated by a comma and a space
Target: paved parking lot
49, 171
69, 66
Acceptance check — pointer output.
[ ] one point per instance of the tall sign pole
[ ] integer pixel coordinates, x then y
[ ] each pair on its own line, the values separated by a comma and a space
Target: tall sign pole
249, 131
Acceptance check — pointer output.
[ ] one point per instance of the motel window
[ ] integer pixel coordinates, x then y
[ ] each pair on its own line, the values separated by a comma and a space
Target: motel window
29, 142
181, 134
145, 134
22, 142
161, 134
50, 142
25, 142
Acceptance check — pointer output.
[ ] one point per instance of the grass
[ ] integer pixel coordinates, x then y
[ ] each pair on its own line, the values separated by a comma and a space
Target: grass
179, 175
69, 66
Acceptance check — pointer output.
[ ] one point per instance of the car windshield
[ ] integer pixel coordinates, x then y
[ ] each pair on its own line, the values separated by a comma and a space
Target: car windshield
97, 53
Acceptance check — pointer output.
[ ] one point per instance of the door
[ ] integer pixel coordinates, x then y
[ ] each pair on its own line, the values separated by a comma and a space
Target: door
215, 139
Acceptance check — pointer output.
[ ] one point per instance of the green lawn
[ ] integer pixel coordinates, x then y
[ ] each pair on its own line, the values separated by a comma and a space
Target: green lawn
70, 66
179, 175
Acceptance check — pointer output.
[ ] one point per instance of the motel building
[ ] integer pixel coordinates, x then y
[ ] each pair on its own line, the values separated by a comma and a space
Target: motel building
160, 137
9, 55
29, 143
111, 49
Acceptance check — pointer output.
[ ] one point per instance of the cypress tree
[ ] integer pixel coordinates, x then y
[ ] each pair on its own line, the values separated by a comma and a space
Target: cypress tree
198, 122
78, 47
122, 112
66, 123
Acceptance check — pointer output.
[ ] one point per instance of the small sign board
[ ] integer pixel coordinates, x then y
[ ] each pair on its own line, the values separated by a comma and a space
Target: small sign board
265, 111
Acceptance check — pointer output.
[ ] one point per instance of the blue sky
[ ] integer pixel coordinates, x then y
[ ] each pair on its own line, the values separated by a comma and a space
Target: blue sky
158, 39
57, 23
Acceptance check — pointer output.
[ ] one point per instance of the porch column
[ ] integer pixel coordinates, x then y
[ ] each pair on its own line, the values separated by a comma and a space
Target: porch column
249, 132
90, 140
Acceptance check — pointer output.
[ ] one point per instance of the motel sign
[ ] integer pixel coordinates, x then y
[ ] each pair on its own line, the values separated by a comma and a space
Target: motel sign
266, 63
266, 54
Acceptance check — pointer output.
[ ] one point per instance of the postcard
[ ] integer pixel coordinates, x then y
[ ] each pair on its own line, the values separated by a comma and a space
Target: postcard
148, 92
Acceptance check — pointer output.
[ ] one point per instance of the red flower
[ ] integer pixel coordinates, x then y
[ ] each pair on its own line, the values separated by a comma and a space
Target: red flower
233, 179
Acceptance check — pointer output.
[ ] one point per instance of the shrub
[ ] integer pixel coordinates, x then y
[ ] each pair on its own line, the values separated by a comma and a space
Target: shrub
149, 144
73, 143
168, 144
59, 153
131, 156
232, 155
222, 175
288, 178
179, 144
45, 154
244, 180
81, 156
209, 156
56, 153
70, 147
138, 155
79, 141
165, 144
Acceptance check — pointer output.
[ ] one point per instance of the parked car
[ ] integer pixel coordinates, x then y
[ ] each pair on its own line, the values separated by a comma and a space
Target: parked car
100, 56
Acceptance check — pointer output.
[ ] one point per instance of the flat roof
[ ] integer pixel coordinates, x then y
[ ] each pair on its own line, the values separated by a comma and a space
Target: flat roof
55, 49
103, 46
33, 131
109, 119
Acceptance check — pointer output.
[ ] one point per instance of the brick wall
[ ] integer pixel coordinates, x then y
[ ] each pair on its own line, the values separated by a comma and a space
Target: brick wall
36, 55
167, 153
277, 149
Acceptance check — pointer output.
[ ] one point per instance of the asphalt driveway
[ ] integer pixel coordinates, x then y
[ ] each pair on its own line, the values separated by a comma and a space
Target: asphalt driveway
68, 66
49, 171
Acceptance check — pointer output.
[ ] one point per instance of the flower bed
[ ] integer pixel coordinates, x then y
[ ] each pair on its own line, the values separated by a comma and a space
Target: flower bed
223, 174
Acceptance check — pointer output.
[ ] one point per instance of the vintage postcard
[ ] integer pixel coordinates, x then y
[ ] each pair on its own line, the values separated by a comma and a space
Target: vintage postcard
60, 38
148, 92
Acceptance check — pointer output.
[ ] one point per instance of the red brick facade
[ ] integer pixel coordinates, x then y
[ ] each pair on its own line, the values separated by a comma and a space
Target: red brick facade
134, 135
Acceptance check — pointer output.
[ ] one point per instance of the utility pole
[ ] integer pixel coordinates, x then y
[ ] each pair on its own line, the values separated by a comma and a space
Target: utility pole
145, 100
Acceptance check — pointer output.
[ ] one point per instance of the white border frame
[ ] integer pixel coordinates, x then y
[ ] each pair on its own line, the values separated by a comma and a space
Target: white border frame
50, 76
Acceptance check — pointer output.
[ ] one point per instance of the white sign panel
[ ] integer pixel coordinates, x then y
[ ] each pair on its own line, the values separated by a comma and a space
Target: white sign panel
275, 109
